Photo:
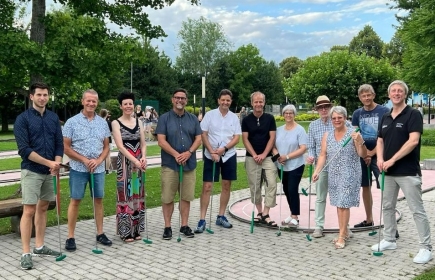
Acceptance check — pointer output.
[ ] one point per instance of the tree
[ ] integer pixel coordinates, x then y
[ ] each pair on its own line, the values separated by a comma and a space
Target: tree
418, 35
338, 75
202, 44
121, 12
16, 54
367, 42
154, 78
339, 48
80, 50
394, 50
289, 66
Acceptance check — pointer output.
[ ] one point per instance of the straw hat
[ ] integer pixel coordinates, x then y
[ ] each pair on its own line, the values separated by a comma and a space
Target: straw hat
323, 100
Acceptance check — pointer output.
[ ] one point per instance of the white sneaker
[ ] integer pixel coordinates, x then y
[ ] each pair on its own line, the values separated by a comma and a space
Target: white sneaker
423, 256
384, 245
318, 233
287, 220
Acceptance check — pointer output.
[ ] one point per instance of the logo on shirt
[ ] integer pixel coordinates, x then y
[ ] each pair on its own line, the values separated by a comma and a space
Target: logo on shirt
399, 125
384, 126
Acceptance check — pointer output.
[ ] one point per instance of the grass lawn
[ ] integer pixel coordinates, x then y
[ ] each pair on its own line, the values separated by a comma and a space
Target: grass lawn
429, 274
8, 146
153, 195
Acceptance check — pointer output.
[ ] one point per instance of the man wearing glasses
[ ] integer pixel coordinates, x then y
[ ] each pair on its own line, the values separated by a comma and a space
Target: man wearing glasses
315, 133
178, 135
258, 134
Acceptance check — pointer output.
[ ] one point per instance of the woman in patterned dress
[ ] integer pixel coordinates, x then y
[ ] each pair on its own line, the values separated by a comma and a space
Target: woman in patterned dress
129, 136
344, 169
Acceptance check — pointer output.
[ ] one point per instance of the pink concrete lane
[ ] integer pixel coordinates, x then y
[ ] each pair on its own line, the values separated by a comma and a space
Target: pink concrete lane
242, 209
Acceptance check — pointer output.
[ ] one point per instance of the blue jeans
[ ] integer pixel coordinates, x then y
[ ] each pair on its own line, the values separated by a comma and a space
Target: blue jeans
79, 180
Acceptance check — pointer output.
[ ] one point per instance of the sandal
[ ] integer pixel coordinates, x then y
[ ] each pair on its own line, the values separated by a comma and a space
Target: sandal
346, 238
258, 219
268, 223
127, 239
340, 245
137, 237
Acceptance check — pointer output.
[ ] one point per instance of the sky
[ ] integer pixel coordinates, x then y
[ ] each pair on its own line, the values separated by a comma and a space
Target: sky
280, 28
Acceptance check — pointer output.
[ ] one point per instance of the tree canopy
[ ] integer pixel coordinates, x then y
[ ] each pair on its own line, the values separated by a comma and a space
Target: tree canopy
367, 42
338, 75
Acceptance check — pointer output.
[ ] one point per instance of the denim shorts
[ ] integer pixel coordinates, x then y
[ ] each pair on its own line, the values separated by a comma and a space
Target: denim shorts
79, 180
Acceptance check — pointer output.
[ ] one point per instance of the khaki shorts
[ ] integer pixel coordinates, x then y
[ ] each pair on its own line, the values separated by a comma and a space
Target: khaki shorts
170, 185
35, 186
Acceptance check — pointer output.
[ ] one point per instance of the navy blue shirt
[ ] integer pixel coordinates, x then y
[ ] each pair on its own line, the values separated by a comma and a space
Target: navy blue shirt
180, 133
38, 133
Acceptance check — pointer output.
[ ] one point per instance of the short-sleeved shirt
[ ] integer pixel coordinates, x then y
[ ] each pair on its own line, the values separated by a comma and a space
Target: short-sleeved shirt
395, 133
180, 132
87, 139
368, 122
258, 131
38, 133
316, 129
221, 130
289, 141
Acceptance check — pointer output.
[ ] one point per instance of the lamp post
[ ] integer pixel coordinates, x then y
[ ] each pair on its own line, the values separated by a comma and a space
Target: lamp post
194, 104
203, 96
53, 107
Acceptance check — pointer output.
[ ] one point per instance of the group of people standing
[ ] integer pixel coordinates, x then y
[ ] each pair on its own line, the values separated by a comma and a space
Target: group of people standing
389, 142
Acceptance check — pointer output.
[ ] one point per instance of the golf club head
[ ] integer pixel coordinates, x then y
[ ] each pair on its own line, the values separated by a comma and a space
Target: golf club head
60, 258
308, 237
304, 191
373, 233
209, 231
377, 253
97, 251
147, 241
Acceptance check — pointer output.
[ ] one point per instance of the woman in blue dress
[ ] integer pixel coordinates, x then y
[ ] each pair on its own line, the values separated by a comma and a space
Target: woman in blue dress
344, 169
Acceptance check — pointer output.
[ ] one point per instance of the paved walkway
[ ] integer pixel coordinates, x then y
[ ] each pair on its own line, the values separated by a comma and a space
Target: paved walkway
227, 254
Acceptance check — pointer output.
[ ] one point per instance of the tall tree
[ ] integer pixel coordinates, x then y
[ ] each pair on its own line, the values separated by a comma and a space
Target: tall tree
290, 65
418, 35
394, 50
121, 12
367, 42
339, 48
202, 43
338, 75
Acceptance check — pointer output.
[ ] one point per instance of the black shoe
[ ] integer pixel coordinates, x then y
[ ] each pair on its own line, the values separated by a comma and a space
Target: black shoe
397, 234
187, 231
167, 233
363, 224
70, 244
102, 238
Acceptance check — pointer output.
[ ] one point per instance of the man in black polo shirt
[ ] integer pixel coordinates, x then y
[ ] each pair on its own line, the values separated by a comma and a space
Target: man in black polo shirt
398, 150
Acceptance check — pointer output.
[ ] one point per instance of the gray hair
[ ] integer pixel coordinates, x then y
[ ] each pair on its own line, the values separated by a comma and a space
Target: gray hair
258, 93
339, 110
90, 91
289, 107
401, 83
366, 88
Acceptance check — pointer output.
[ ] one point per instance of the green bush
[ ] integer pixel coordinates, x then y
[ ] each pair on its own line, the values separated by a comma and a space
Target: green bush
190, 109
300, 117
428, 137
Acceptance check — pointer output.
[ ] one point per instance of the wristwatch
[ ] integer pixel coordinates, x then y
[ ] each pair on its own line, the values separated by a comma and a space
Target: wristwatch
190, 151
226, 149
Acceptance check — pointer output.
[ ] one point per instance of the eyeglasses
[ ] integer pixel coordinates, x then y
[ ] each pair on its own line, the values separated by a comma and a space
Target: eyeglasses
258, 122
289, 113
324, 107
179, 98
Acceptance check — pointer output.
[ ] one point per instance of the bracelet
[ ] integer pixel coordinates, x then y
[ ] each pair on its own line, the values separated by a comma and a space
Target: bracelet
362, 143
287, 157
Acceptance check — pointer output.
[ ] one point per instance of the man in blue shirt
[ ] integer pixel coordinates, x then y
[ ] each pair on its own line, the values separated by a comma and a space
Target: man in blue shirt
179, 135
40, 145
86, 140
367, 119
